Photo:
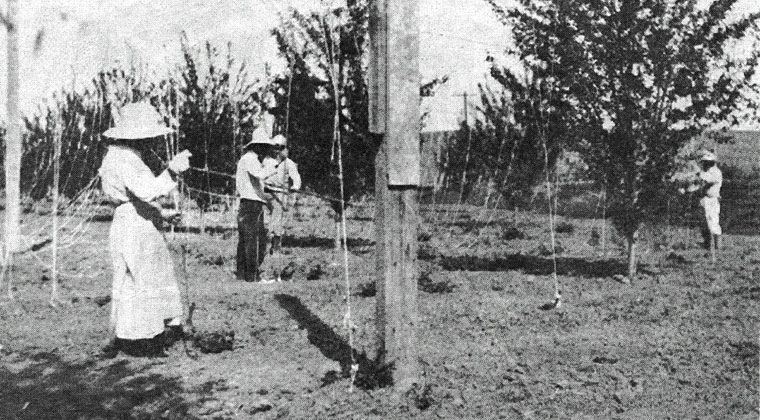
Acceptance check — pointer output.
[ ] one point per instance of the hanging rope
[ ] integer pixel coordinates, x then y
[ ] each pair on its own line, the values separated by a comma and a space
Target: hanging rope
542, 132
333, 50
287, 105
551, 196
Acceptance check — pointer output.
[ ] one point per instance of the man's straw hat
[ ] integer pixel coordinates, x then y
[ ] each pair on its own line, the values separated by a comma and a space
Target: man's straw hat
259, 136
280, 140
708, 156
137, 121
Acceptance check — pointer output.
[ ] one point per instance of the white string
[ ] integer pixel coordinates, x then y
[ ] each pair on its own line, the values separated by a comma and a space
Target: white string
552, 235
347, 322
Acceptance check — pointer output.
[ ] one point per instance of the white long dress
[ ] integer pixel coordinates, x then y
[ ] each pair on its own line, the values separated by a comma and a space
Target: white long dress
711, 201
145, 291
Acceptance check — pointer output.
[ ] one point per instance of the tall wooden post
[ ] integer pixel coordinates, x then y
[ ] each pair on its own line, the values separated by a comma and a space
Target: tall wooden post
469, 148
56, 186
394, 116
12, 140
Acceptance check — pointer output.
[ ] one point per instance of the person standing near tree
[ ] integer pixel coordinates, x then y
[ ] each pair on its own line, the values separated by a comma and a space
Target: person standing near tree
145, 297
278, 186
250, 178
712, 179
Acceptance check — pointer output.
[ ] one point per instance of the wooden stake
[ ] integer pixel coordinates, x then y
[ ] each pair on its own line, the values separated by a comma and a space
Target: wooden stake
469, 149
604, 223
12, 143
56, 183
394, 115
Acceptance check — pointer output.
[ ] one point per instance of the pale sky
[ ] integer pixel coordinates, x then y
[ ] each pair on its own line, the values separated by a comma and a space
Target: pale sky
82, 36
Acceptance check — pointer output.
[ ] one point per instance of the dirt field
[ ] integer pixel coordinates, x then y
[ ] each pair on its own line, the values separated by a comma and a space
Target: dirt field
679, 342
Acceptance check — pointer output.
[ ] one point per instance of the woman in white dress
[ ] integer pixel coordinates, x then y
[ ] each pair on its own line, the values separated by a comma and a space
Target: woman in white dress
145, 293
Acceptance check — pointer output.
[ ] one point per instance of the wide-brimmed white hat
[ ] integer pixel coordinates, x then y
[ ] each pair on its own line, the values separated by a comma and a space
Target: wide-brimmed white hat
259, 136
137, 121
280, 140
708, 156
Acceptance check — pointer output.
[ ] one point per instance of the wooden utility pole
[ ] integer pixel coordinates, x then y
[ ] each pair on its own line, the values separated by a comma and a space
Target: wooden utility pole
469, 148
394, 90
12, 141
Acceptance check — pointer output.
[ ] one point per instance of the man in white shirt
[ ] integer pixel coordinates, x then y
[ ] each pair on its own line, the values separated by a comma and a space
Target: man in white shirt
712, 179
278, 186
250, 178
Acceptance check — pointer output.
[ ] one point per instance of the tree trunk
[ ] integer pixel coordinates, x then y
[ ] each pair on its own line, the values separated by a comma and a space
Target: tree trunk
476, 188
632, 240
466, 164
490, 190
491, 187
12, 140
446, 168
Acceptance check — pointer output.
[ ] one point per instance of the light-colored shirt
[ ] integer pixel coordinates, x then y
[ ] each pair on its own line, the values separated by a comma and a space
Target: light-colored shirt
714, 178
286, 172
250, 177
125, 177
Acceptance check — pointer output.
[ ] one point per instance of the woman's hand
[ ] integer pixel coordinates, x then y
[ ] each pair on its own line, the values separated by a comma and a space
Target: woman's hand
173, 217
181, 162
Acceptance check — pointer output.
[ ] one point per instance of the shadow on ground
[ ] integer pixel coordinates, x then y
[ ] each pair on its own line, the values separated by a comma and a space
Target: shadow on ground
312, 241
45, 386
371, 375
531, 264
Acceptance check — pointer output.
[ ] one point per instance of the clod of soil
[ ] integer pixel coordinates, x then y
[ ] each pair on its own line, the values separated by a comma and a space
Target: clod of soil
427, 285
426, 253
595, 238
215, 260
676, 258
565, 227
745, 350
496, 286
102, 300
315, 273
510, 233
621, 278
605, 360
287, 273
549, 306
367, 289
261, 405
421, 397
214, 342
545, 250
374, 376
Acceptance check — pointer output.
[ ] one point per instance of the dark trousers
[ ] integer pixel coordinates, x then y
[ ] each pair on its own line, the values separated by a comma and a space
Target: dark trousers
252, 239
706, 235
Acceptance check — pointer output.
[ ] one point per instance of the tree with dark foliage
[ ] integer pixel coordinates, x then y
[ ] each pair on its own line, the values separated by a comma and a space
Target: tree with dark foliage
311, 92
305, 97
219, 106
631, 82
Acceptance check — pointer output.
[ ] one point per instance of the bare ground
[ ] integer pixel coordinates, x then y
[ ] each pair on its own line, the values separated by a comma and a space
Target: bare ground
681, 341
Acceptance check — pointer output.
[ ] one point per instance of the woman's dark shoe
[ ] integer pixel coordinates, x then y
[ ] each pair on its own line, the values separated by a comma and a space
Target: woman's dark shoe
172, 334
111, 349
